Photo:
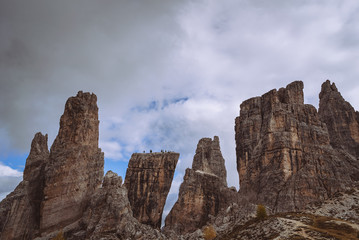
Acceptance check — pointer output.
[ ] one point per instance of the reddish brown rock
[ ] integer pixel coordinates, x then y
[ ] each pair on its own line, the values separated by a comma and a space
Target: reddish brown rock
20, 210
75, 167
203, 192
341, 119
284, 156
148, 180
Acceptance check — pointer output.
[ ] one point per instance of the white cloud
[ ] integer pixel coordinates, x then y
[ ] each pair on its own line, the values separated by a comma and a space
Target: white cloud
6, 171
9, 179
112, 150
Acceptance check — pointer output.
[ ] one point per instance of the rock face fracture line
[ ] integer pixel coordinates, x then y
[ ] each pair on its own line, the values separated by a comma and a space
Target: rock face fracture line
273, 127
148, 180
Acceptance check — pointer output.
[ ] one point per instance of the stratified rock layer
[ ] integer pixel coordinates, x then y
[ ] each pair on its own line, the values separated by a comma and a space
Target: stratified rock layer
148, 180
20, 210
341, 119
284, 156
203, 192
75, 167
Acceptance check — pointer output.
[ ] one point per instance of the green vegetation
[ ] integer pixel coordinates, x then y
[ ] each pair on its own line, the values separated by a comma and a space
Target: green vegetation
261, 212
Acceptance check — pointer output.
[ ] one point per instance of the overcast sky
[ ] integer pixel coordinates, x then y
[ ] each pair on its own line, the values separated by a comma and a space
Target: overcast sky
166, 73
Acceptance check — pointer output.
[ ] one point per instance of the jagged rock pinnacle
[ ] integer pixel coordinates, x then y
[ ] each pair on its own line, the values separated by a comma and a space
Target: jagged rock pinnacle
75, 168
148, 181
281, 142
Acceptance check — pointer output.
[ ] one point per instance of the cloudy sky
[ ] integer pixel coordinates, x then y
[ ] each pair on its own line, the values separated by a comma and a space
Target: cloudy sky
166, 73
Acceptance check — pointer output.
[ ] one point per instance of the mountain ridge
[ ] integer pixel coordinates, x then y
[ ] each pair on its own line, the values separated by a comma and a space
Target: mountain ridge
289, 156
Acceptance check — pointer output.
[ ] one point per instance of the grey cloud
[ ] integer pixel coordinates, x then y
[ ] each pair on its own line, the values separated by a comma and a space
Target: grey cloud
215, 53
8, 184
50, 50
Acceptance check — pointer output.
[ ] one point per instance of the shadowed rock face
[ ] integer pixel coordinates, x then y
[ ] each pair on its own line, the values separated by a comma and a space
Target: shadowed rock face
109, 215
148, 180
209, 159
203, 192
20, 210
284, 156
75, 167
341, 119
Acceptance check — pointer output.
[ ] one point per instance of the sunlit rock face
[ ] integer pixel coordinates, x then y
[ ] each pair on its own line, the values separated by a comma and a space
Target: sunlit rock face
203, 192
148, 180
75, 167
284, 154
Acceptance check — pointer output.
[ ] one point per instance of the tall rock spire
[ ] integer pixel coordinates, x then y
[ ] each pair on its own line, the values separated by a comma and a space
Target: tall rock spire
209, 159
20, 210
148, 180
341, 119
75, 168
203, 192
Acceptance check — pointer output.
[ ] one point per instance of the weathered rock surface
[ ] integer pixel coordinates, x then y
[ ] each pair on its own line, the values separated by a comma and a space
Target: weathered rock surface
284, 156
203, 192
20, 210
109, 215
209, 159
336, 218
341, 119
148, 180
75, 167
288, 155
343, 205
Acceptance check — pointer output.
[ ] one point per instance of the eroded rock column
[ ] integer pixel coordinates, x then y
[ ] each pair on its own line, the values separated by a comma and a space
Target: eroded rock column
341, 119
75, 167
20, 210
204, 190
148, 180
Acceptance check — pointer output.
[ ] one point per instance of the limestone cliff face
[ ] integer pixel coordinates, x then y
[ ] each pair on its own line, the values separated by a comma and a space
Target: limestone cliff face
341, 119
75, 167
148, 180
284, 156
20, 210
203, 192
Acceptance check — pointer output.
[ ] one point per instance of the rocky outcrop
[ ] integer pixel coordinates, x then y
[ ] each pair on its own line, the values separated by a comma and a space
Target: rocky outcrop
109, 215
341, 119
209, 159
288, 155
335, 218
284, 156
148, 180
203, 192
75, 167
20, 210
